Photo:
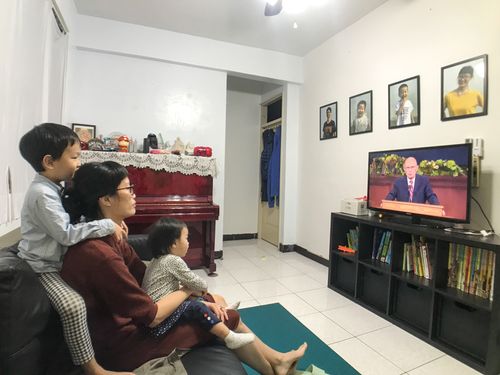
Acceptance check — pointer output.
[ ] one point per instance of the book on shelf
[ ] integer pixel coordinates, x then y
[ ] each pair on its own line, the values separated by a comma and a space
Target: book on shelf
386, 246
352, 238
471, 270
417, 258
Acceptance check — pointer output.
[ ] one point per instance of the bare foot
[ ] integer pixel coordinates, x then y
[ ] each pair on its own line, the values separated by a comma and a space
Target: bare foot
288, 361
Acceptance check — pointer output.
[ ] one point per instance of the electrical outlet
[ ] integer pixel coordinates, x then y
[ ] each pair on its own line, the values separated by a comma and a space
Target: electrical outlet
476, 170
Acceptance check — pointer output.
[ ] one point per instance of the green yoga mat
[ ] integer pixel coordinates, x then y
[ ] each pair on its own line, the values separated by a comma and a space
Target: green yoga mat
282, 331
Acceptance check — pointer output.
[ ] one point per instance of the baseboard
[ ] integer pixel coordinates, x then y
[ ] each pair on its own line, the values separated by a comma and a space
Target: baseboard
241, 236
304, 252
286, 248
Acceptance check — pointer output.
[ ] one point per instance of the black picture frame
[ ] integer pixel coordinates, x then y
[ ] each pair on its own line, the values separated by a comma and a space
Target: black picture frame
406, 113
328, 131
458, 102
363, 124
85, 132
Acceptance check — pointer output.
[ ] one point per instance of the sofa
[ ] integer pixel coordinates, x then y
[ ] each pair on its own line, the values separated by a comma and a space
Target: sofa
31, 341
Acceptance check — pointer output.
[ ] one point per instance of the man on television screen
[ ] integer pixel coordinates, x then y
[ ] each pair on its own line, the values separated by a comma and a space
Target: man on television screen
412, 187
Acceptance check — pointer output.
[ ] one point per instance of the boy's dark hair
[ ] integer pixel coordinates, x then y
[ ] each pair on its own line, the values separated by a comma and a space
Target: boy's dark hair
91, 182
401, 87
46, 139
163, 235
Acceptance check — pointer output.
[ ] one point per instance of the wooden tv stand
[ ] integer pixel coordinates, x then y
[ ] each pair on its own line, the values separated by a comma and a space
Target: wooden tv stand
465, 326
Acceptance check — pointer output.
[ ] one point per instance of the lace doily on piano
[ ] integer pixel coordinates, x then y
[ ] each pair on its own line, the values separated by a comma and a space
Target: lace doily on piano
201, 166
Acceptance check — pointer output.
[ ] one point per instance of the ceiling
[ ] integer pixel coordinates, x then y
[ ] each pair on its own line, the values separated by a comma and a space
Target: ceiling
237, 21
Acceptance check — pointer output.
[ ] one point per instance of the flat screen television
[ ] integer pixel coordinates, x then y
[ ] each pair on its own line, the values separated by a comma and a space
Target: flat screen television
427, 182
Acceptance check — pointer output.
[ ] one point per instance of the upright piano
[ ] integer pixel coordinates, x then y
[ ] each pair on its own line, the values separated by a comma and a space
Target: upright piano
172, 186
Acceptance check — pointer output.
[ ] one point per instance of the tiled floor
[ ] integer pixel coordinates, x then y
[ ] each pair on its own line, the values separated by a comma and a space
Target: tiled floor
255, 273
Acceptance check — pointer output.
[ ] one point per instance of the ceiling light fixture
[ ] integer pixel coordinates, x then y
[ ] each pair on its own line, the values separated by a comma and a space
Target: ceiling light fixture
273, 7
295, 26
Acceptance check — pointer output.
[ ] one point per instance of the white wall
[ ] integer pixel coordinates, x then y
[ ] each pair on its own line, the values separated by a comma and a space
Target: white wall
242, 173
137, 96
400, 39
290, 155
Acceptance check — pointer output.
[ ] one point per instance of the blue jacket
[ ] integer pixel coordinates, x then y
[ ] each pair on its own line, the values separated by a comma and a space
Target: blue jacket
422, 191
265, 158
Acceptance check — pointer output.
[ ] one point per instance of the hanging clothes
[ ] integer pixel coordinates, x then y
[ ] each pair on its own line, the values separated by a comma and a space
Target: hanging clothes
273, 180
265, 157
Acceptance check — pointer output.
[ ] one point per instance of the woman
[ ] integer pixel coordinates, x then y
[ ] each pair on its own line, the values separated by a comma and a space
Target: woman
463, 100
108, 275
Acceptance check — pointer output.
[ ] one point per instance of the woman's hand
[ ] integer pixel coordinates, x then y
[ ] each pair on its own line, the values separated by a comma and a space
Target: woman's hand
125, 228
120, 232
218, 310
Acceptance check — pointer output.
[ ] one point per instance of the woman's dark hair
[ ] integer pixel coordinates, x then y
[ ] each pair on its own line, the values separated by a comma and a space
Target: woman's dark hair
163, 235
46, 139
91, 182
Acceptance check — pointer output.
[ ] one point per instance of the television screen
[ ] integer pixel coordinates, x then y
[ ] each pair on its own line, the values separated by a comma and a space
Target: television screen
432, 182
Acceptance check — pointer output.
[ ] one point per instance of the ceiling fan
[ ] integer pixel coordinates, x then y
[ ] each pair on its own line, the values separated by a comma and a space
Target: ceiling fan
273, 8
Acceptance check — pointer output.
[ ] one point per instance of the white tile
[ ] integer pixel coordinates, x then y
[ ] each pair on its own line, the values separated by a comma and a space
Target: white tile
356, 319
444, 366
364, 359
320, 275
295, 305
324, 328
249, 303
401, 348
251, 273
233, 293
229, 254
324, 299
300, 283
220, 279
265, 288
251, 251
236, 263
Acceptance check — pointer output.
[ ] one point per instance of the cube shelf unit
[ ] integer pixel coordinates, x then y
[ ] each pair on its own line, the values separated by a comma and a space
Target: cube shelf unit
462, 325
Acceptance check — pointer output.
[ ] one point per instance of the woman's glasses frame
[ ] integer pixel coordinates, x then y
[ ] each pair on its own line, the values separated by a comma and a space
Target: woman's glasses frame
130, 188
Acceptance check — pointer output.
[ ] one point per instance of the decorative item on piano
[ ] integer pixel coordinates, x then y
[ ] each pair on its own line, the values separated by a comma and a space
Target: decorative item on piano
110, 144
203, 151
95, 144
123, 143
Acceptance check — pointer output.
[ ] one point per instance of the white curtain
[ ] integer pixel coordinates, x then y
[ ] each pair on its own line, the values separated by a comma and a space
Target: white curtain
32, 65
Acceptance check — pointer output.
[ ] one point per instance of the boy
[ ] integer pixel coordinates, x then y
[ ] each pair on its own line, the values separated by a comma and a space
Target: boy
361, 123
54, 152
404, 107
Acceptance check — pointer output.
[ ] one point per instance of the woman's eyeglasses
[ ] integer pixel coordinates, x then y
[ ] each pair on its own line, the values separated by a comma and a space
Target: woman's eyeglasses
130, 189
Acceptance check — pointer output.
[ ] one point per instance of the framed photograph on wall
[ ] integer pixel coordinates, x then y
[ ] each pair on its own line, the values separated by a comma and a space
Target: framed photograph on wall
404, 103
328, 121
84, 131
464, 89
360, 113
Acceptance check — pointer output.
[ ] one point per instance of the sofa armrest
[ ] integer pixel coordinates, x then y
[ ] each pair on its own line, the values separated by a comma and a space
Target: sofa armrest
25, 314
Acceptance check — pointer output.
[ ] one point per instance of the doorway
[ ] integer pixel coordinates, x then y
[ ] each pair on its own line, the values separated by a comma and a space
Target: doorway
269, 213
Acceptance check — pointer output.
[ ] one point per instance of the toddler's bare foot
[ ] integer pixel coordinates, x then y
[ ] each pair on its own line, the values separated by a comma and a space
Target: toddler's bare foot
288, 361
